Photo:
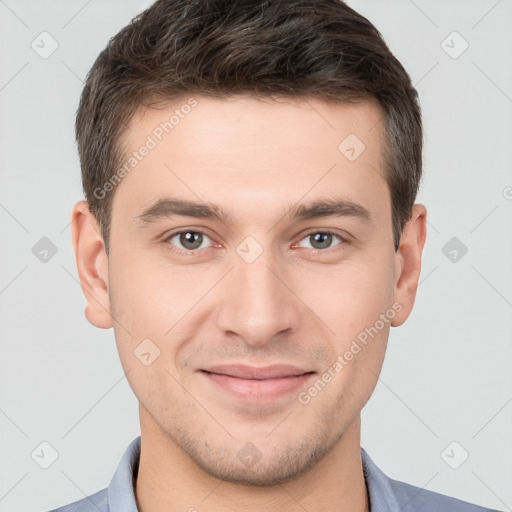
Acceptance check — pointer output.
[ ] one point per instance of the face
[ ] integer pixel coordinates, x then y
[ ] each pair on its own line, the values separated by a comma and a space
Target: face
252, 279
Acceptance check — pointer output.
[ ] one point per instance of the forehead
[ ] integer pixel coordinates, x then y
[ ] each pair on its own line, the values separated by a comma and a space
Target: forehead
243, 151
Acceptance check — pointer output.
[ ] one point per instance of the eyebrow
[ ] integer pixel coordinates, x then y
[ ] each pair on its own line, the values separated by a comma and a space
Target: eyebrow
168, 207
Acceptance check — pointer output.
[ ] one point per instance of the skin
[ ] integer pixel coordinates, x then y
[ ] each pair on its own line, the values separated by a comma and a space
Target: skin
296, 303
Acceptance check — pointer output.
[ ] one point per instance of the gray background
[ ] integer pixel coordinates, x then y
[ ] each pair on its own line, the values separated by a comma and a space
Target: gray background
447, 374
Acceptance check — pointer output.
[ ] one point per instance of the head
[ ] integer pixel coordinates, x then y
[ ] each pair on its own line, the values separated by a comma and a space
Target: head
297, 135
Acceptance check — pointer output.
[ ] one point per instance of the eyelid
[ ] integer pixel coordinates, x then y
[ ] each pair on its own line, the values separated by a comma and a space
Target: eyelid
344, 240
172, 234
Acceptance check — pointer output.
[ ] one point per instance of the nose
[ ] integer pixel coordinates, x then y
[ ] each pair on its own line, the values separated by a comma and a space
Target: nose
258, 302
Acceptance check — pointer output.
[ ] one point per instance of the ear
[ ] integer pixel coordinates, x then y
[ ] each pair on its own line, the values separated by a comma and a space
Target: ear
408, 262
92, 265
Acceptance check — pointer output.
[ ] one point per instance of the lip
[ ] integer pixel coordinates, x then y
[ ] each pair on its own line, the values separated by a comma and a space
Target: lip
259, 384
242, 371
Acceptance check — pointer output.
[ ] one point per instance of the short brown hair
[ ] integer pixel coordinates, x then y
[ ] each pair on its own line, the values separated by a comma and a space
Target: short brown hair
291, 48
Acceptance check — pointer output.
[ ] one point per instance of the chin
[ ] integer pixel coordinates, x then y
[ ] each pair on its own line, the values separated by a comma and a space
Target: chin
263, 462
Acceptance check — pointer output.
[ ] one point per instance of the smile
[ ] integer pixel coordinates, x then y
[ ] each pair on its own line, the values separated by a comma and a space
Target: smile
257, 384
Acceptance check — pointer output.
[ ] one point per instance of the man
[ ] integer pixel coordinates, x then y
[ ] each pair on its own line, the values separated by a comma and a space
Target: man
250, 170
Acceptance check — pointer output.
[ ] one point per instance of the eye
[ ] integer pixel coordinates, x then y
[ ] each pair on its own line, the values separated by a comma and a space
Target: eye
321, 240
189, 240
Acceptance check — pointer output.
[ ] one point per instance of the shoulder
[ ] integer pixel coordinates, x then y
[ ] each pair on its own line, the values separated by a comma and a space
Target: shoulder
97, 502
396, 496
415, 499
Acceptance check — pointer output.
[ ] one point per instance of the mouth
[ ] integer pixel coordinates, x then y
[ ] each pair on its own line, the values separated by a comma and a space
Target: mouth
258, 384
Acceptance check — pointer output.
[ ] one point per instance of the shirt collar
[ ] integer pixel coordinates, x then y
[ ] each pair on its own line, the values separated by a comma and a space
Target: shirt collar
382, 497
121, 492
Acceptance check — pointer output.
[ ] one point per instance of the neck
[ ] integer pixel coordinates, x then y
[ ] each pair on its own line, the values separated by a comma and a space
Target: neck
168, 480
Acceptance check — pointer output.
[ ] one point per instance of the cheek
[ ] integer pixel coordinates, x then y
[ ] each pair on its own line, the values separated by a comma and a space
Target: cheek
143, 313
350, 297
150, 297
350, 303
156, 309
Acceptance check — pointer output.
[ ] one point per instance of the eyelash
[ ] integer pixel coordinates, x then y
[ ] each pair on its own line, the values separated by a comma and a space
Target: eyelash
193, 252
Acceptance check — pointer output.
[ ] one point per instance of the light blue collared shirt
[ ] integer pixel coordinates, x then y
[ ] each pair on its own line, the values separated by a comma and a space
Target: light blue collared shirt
386, 494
